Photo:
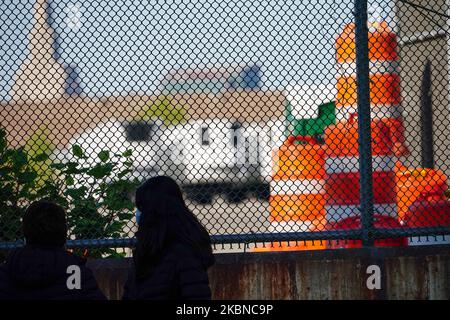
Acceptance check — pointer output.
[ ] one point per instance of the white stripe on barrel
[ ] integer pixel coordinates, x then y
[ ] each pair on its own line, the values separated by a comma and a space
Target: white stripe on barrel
291, 226
377, 112
336, 213
351, 164
348, 69
296, 187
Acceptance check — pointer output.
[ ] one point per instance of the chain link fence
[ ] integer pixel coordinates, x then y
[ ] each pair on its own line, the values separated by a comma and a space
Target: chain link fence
289, 125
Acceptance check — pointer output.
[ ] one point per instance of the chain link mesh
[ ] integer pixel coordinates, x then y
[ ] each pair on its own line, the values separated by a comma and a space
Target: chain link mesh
250, 106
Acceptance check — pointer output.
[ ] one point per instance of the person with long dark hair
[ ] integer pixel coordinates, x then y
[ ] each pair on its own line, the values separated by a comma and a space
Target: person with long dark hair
173, 250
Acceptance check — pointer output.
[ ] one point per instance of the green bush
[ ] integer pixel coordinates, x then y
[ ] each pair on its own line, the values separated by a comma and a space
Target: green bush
39, 143
95, 197
18, 187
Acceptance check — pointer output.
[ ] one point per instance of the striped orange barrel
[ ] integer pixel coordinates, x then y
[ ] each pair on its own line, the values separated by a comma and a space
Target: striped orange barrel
385, 95
297, 199
342, 186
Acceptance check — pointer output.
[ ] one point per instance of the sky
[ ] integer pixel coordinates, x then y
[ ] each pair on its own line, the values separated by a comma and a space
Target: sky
127, 46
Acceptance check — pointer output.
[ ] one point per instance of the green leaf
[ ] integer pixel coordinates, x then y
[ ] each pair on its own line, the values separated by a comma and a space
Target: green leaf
77, 151
7, 192
123, 173
72, 168
19, 159
116, 226
103, 155
77, 193
26, 177
127, 153
128, 163
100, 171
58, 166
3, 142
41, 157
69, 181
4, 171
125, 216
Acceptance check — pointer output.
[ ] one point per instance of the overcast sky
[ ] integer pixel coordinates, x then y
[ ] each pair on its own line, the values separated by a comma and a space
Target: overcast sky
127, 46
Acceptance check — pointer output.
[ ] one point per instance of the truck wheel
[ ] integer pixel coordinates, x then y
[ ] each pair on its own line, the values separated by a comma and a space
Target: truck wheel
262, 192
204, 198
235, 195
200, 196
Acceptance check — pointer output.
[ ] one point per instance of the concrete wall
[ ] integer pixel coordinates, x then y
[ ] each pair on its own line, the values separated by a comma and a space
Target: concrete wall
406, 273
423, 36
413, 59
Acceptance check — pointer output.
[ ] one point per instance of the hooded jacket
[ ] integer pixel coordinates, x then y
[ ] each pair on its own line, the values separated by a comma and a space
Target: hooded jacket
180, 274
40, 273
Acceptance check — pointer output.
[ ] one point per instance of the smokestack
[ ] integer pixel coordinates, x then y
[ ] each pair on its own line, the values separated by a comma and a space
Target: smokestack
40, 78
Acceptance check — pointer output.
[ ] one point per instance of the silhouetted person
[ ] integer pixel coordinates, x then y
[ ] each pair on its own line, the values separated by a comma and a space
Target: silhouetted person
39, 270
173, 250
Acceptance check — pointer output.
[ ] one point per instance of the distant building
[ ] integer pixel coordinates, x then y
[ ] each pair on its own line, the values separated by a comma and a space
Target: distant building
212, 80
40, 77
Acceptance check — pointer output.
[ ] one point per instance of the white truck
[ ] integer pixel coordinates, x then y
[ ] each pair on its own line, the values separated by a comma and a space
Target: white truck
206, 157
222, 156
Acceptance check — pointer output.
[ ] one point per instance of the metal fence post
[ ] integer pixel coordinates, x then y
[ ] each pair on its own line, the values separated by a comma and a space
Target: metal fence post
364, 139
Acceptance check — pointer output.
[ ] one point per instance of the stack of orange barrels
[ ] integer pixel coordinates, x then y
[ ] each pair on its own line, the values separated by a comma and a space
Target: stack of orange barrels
387, 133
385, 93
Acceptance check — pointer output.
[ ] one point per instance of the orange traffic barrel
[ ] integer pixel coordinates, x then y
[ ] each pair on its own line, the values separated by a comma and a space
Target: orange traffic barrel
426, 213
354, 222
385, 94
414, 184
297, 199
342, 186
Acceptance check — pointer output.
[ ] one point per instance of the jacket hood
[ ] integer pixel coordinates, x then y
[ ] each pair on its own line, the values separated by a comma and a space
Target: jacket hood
33, 266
